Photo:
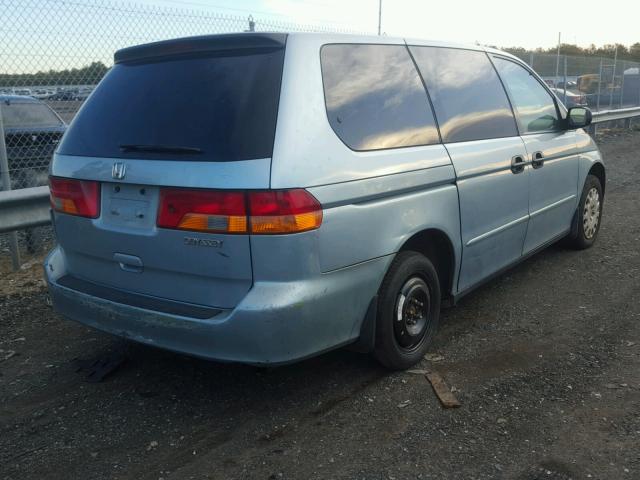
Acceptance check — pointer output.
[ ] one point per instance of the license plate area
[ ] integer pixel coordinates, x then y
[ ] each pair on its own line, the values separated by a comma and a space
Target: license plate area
131, 206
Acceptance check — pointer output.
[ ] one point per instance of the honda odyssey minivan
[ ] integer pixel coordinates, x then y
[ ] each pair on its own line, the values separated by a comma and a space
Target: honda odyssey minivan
265, 197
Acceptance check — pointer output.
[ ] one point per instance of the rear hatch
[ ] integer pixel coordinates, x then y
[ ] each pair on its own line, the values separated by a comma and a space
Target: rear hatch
189, 120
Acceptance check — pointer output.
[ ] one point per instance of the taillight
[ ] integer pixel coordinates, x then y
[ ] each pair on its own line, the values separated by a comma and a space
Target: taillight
257, 212
284, 211
202, 210
75, 197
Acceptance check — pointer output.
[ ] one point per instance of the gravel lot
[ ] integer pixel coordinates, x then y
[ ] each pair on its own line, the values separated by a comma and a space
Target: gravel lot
545, 361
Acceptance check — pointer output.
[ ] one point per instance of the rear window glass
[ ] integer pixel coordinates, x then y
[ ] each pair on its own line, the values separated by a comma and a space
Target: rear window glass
469, 100
219, 107
28, 115
375, 98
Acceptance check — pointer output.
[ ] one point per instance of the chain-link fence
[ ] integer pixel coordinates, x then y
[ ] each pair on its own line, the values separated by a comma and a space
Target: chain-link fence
600, 83
54, 52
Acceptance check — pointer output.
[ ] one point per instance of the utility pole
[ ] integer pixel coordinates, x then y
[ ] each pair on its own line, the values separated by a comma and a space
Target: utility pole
379, 17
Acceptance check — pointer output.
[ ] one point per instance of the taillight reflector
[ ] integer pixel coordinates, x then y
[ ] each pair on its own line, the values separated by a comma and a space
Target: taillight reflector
257, 212
75, 197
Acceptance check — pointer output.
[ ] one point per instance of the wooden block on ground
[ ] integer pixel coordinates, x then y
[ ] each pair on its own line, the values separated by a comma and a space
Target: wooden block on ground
447, 399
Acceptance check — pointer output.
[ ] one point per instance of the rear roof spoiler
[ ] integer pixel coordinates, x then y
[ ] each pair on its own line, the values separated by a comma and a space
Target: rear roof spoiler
200, 44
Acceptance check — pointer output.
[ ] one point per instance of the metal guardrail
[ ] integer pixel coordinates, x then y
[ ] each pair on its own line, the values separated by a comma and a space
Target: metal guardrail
29, 207
24, 208
617, 114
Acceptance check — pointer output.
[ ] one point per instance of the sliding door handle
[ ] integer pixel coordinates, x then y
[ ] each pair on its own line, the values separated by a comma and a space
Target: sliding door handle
518, 163
537, 160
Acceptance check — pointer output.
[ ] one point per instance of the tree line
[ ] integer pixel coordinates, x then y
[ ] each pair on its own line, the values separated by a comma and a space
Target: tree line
93, 73
90, 74
631, 53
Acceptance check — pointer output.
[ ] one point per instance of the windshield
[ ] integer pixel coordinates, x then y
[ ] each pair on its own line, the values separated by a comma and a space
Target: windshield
222, 106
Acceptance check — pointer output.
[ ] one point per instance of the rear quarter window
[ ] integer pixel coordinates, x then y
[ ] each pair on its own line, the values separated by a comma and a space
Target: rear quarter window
374, 97
216, 106
468, 98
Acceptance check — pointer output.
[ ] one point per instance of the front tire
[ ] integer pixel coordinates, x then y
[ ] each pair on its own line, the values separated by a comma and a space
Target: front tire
588, 215
408, 311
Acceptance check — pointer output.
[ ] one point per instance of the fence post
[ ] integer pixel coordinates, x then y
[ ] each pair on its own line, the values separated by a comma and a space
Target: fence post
6, 185
622, 86
599, 86
613, 78
638, 67
565, 80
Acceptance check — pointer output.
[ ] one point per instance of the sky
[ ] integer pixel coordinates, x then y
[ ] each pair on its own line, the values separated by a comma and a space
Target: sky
492, 22
37, 35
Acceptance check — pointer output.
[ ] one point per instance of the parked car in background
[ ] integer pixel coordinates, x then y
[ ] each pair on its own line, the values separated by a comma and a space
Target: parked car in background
42, 93
297, 193
570, 98
588, 83
22, 91
32, 132
65, 95
571, 85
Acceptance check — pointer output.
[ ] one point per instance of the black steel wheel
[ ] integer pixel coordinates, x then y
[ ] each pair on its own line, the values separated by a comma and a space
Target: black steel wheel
412, 313
408, 311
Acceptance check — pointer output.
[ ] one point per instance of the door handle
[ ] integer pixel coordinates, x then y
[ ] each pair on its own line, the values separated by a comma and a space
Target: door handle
518, 163
537, 160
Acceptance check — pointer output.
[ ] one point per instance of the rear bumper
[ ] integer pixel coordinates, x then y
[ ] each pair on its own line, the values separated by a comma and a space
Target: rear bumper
275, 323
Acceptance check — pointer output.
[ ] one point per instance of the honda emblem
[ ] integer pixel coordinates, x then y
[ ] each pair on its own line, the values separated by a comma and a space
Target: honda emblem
118, 171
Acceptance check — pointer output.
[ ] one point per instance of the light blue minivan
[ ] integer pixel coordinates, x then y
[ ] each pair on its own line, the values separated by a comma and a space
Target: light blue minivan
262, 198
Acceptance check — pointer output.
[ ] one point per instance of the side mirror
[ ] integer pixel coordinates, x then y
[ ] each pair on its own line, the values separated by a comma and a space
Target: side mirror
578, 117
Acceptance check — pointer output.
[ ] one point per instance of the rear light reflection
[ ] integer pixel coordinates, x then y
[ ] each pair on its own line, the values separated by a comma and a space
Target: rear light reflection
258, 212
75, 197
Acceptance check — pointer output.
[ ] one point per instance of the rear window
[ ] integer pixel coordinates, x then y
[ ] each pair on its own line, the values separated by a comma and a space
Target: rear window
28, 115
375, 98
212, 107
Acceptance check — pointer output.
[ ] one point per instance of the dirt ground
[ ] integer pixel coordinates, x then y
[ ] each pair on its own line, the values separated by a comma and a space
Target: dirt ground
545, 361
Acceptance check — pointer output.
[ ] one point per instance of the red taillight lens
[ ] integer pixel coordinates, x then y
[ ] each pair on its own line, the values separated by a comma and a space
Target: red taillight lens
269, 212
284, 211
202, 210
75, 197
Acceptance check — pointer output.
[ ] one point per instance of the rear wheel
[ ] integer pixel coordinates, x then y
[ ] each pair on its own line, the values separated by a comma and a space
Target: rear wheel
408, 311
589, 215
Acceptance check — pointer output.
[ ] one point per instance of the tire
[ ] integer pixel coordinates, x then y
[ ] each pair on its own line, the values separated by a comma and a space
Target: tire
408, 311
588, 216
